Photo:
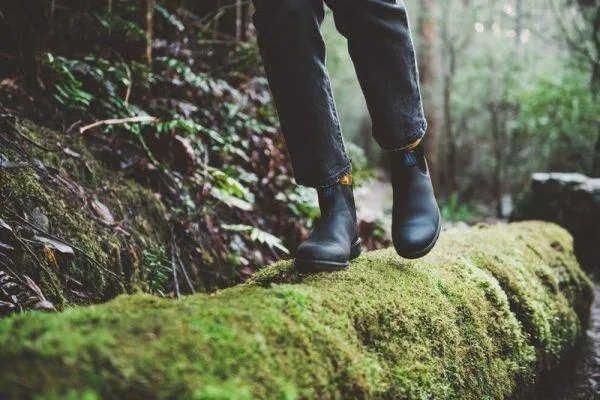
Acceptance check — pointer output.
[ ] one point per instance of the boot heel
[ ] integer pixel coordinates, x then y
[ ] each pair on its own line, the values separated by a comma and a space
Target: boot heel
356, 249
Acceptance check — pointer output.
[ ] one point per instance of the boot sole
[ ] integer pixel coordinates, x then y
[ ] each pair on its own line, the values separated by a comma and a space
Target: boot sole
324, 265
426, 250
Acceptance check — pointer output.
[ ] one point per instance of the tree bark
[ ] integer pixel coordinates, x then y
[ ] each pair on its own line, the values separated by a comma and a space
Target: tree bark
450, 156
428, 69
449, 54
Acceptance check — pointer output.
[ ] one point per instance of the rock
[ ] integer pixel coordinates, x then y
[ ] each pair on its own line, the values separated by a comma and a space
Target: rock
56, 245
571, 200
102, 211
480, 317
39, 219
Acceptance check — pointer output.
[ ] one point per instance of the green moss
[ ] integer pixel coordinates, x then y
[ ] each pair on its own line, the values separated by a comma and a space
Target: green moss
107, 258
479, 318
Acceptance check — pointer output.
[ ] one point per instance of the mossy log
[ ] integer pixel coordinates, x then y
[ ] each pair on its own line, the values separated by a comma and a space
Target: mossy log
571, 200
481, 317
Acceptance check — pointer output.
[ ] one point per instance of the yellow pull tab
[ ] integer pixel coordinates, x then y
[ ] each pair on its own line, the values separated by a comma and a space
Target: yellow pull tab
346, 180
412, 146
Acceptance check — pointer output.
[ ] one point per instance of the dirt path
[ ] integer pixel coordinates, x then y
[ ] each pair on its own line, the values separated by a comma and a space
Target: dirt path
374, 201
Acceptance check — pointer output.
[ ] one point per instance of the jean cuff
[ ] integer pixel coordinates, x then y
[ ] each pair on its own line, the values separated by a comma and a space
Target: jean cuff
335, 177
406, 142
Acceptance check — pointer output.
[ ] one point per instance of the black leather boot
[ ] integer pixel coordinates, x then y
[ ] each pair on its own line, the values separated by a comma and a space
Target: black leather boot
416, 220
335, 239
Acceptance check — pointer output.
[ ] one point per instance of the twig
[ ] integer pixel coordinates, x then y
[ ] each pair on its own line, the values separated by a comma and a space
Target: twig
85, 254
117, 121
174, 267
127, 71
129, 84
230, 64
185, 274
6, 198
9, 268
36, 259
27, 138
176, 259
5, 142
216, 16
72, 126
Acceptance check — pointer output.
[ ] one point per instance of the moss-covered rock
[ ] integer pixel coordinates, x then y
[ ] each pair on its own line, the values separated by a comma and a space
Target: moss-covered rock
478, 318
78, 229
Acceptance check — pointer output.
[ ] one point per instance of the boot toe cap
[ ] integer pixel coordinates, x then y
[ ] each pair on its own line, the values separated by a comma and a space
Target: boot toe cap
327, 252
416, 239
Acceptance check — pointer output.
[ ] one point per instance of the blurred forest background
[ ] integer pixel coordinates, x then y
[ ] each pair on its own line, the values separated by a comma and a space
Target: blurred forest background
169, 97
510, 87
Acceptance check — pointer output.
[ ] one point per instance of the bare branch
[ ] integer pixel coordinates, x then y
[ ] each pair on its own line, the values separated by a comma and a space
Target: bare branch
140, 118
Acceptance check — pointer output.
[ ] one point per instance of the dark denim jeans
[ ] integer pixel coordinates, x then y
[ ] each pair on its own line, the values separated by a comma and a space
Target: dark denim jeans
381, 48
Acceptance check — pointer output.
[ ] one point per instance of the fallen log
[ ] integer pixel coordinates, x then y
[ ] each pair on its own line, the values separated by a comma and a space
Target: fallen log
571, 200
481, 317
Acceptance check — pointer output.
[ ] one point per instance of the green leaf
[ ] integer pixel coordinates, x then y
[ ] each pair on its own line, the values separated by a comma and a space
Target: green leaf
230, 200
259, 236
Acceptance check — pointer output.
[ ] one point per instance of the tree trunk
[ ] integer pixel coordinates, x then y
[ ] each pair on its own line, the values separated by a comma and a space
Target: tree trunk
596, 168
450, 167
428, 68
232, 19
595, 88
497, 143
518, 20
150, 5
449, 55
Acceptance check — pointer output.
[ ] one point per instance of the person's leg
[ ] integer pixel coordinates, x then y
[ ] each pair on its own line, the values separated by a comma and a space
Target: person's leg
381, 47
380, 44
293, 52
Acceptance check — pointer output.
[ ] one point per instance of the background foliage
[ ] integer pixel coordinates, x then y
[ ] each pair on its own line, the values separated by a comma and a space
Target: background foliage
514, 90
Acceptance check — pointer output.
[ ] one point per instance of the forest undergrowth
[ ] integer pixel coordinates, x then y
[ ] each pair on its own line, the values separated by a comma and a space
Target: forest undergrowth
151, 157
